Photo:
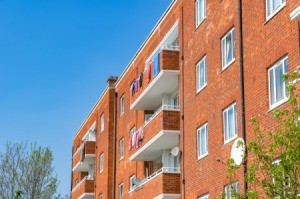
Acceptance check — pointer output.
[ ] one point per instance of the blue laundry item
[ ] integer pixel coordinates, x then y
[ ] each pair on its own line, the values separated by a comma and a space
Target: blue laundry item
156, 69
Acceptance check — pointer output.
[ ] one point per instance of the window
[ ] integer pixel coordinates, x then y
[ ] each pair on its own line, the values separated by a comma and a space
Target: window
273, 6
201, 74
277, 87
202, 141
131, 181
122, 106
231, 189
121, 188
200, 6
121, 148
230, 124
100, 196
228, 53
102, 123
206, 196
101, 165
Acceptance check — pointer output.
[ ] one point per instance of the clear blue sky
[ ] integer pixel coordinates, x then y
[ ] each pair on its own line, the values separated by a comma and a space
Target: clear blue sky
55, 57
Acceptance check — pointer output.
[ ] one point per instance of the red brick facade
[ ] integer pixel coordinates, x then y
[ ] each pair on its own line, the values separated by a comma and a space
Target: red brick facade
265, 41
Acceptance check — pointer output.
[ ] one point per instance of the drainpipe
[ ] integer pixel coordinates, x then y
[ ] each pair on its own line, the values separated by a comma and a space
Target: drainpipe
182, 102
242, 91
115, 144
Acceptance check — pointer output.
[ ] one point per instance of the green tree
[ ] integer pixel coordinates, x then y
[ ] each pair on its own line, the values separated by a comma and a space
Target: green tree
274, 168
27, 172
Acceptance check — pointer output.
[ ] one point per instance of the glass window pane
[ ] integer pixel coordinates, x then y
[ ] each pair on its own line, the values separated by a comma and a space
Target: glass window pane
279, 83
225, 125
228, 49
230, 123
202, 74
276, 4
272, 93
203, 141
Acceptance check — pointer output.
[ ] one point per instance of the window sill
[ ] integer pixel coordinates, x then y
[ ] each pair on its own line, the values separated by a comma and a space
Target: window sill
230, 139
227, 65
202, 156
278, 104
274, 13
121, 159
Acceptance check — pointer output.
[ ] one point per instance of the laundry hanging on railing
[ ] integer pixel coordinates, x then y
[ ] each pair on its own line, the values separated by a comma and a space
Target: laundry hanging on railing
136, 138
156, 66
148, 70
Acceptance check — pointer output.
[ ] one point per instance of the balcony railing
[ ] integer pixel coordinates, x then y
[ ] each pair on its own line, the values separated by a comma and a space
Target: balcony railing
83, 156
159, 183
162, 108
160, 76
85, 187
159, 132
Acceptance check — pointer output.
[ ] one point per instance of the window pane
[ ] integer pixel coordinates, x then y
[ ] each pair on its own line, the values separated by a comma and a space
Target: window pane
225, 125
276, 4
233, 43
230, 123
228, 48
203, 141
272, 89
224, 52
269, 7
202, 74
198, 143
279, 83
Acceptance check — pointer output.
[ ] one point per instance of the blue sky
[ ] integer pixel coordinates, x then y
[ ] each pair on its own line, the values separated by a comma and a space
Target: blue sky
55, 57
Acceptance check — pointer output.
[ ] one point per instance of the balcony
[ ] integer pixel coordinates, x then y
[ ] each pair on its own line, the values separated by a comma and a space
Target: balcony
148, 97
84, 189
162, 184
84, 157
161, 131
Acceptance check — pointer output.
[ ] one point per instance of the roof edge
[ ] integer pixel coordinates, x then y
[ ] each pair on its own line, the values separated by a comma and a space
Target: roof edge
145, 41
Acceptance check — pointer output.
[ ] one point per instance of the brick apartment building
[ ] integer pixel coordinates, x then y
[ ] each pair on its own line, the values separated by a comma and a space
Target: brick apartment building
206, 68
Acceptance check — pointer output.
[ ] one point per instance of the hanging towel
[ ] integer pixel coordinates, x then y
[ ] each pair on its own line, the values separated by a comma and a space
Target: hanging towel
136, 82
148, 74
141, 133
156, 64
133, 139
132, 88
137, 139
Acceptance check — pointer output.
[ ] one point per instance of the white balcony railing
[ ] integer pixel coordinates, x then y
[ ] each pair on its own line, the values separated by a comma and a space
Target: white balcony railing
174, 170
162, 108
81, 181
170, 47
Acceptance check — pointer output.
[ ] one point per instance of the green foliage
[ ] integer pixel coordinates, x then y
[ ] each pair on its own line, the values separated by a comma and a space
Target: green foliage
27, 172
273, 171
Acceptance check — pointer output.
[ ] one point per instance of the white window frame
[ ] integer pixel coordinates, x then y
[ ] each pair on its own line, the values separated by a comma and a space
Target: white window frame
205, 196
200, 141
200, 11
228, 189
101, 196
274, 11
226, 123
131, 186
198, 75
122, 105
102, 122
121, 191
101, 162
121, 144
226, 63
272, 69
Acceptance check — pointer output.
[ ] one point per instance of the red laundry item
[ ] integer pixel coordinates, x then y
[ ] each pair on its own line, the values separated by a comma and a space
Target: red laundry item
137, 139
149, 71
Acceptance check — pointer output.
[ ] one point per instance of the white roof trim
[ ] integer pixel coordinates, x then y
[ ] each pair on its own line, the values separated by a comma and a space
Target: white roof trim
86, 194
